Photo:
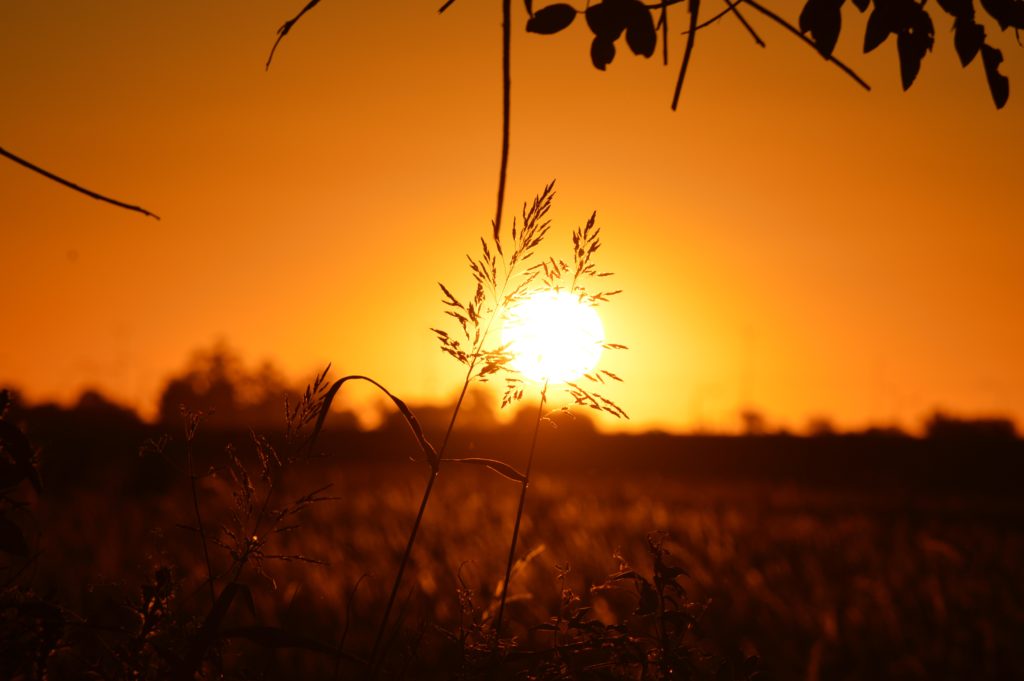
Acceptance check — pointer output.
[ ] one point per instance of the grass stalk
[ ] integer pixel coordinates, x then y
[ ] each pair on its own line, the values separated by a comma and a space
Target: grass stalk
192, 479
416, 524
519, 514
401, 571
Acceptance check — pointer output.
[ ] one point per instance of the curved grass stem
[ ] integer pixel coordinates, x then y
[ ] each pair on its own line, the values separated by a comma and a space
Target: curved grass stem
379, 638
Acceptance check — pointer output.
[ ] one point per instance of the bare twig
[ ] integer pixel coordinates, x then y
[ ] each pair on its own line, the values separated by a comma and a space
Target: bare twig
707, 22
690, 37
664, 35
750, 29
286, 27
71, 185
795, 31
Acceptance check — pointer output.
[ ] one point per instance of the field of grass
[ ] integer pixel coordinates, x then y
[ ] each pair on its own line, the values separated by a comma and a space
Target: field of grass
813, 582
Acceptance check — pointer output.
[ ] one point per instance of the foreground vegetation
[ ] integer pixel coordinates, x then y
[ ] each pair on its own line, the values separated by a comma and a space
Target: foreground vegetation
780, 580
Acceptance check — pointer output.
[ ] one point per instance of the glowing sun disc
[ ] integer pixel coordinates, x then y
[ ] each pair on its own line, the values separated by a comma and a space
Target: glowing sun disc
553, 337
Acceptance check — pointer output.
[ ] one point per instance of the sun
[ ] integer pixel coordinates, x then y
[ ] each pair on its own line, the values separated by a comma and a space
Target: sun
553, 337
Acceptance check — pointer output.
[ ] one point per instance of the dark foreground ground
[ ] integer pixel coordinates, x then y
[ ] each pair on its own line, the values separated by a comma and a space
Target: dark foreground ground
825, 558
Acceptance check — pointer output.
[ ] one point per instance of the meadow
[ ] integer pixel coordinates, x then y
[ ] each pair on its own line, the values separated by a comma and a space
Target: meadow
788, 577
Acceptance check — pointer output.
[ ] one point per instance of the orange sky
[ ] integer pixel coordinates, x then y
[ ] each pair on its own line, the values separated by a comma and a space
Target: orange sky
785, 240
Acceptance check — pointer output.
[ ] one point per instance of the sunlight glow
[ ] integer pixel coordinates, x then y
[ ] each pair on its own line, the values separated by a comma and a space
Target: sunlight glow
553, 337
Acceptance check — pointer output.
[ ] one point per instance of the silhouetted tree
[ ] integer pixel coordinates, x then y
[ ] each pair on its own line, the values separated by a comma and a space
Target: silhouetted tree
753, 422
942, 426
216, 380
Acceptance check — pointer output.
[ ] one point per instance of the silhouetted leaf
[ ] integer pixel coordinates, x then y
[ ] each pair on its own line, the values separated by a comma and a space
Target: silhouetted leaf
551, 19
998, 84
428, 449
497, 466
822, 19
1007, 13
608, 20
958, 8
913, 43
12, 541
878, 29
967, 38
641, 35
602, 52
862, 5
529, 6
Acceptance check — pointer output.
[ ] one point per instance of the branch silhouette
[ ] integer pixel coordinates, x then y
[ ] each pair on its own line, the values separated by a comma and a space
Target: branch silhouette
795, 31
71, 185
286, 27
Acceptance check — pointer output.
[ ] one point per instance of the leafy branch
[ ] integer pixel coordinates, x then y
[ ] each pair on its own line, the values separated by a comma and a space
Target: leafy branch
819, 26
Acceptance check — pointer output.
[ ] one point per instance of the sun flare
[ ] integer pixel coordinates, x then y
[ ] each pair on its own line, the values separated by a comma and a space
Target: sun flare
553, 337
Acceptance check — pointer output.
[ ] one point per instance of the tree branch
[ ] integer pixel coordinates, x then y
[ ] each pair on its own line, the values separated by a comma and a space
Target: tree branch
286, 27
750, 29
792, 29
71, 185
690, 37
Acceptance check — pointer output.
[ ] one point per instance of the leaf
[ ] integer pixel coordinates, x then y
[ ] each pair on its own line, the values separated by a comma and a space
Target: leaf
998, 84
428, 449
602, 52
498, 467
529, 6
641, 35
1007, 13
968, 38
823, 20
608, 19
12, 541
878, 29
862, 5
962, 9
551, 19
912, 44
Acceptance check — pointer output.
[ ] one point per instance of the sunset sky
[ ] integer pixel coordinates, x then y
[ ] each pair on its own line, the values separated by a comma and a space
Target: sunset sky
786, 240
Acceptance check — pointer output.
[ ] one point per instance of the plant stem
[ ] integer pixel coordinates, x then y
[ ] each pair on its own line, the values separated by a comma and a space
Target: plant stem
519, 514
416, 524
506, 36
401, 570
199, 517
506, 102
